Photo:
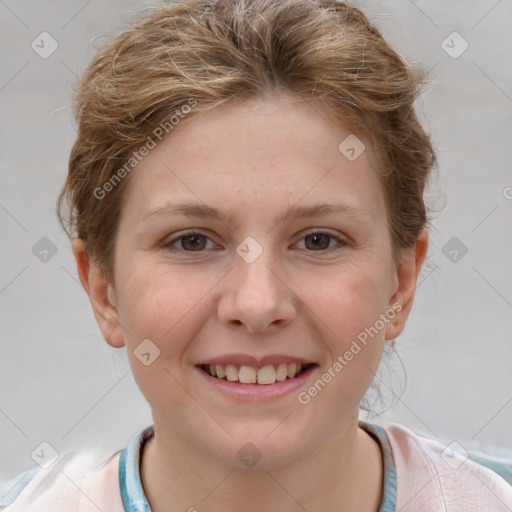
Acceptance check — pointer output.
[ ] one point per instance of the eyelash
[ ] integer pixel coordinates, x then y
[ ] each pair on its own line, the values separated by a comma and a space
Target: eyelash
342, 242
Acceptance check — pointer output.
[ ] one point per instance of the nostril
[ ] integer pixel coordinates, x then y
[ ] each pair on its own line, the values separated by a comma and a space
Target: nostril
239, 322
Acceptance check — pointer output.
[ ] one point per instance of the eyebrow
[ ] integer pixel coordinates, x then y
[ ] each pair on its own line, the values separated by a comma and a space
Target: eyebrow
203, 211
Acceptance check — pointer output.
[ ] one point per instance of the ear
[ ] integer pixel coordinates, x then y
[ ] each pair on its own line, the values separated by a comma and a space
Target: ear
406, 278
101, 294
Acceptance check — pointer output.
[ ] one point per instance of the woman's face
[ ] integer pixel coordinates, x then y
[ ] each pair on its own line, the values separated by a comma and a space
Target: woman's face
289, 263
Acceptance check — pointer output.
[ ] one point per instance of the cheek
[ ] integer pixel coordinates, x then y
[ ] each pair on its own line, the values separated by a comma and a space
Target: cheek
353, 333
163, 307
348, 301
161, 304
350, 305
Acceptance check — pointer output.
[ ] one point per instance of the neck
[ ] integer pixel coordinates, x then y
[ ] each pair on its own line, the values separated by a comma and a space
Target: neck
343, 473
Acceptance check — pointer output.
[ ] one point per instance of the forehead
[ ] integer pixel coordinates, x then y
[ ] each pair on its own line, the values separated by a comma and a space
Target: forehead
282, 146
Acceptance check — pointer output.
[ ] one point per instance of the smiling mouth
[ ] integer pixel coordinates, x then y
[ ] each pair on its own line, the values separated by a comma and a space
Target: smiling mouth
265, 375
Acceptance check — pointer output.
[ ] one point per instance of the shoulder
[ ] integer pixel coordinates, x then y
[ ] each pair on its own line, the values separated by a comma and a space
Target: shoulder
434, 475
81, 482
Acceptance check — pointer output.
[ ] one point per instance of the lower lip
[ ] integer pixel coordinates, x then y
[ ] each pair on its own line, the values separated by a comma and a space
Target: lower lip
255, 392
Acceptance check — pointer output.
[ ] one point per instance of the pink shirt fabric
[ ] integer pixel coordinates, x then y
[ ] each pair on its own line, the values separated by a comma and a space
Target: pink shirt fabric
431, 479
75, 483
428, 479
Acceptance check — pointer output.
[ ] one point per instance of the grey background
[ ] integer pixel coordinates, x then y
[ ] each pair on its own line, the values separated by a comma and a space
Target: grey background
61, 383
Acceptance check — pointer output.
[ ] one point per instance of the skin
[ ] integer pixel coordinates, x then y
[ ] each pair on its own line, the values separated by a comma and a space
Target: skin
257, 158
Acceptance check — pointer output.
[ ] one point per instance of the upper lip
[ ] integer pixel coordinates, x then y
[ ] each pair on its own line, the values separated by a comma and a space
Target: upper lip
255, 361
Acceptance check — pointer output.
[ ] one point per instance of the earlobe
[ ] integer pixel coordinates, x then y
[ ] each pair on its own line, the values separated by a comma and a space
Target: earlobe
101, 295
405, 280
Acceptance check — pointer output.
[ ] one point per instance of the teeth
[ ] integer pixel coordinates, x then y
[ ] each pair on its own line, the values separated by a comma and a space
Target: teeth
249, 375
231, 373
220, 370
282, 372
266, 375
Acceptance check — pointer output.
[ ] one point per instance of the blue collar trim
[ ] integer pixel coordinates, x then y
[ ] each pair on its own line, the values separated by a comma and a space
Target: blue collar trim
132, 493
388, 503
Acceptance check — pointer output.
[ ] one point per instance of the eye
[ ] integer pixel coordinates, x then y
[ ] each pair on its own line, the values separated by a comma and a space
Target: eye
198, 242
320, 241
190, 242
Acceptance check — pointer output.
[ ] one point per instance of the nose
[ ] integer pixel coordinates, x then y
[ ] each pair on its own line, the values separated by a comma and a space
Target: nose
256, 297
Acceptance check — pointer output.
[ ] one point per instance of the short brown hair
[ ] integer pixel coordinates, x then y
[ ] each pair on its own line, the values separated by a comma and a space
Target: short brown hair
204, 52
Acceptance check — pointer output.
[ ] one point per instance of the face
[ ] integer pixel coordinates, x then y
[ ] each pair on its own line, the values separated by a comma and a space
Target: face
249, 244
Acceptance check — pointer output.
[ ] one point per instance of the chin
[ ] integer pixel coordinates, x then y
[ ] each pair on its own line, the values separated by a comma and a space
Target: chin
255, 451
